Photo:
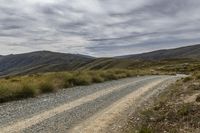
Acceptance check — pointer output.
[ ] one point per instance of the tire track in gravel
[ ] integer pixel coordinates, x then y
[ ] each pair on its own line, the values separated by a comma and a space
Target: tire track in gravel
17, 126
64, 121
22, 109
100, 121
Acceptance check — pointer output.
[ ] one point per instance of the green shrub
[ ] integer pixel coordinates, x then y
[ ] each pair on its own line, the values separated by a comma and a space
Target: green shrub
187, 79
15, 80
67, 83
18, 87
198, 76
109, 76
46, 87
82, 79
97, 79
27, 90
147, 113
198, 98
9, 91
145, 130
4, 93
184, 110
121, 75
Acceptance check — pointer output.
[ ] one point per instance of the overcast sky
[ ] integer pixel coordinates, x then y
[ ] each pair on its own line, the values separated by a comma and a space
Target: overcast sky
97, 27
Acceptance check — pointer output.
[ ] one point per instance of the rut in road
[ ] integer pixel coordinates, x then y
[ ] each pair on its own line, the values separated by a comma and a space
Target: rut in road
137, 87
100, 121
22, 124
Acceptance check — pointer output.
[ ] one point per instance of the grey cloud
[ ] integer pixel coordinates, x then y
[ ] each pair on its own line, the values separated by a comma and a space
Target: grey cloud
98, 27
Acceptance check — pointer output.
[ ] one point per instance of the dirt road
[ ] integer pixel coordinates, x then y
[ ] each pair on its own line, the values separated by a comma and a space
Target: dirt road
87, 109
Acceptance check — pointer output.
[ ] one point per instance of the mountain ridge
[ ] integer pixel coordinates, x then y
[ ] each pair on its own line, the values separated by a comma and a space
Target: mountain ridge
181, 54
40, 61
192, 51
47, 61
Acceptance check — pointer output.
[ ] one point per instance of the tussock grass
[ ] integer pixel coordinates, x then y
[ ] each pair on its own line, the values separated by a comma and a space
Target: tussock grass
13, 88
198, 98
196, 75
187, 79
170, 111
145, 130
46, 87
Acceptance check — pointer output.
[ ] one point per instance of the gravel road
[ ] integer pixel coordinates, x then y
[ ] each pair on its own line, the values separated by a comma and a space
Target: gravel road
78, 109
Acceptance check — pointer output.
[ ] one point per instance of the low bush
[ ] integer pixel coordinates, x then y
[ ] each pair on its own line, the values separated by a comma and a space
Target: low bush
145, 130
80, 79
197, 76
184, 110
187, 79
18, 87
97, 79
198, 98
46, 87
27, 90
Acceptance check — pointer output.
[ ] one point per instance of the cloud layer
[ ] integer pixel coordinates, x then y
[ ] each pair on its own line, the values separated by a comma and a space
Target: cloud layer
97, 27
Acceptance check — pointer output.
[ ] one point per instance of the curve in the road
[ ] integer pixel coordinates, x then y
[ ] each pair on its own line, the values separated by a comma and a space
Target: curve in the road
22, 124
101, 120
134, 90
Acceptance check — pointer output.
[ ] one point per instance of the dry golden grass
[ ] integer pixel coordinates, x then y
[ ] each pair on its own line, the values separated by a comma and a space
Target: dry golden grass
13, 88
171, 112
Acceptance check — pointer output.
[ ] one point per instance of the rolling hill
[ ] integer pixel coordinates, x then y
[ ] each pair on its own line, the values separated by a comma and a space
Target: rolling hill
169, 56
178, 53
46, 61
41, 61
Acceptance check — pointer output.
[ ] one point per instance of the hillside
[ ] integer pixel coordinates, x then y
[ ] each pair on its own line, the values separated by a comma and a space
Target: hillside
41, 61
177, 53
176, 56
45, 61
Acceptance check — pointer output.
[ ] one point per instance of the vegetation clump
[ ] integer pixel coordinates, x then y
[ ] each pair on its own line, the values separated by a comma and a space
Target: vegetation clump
198, 98
18, 87
46, 87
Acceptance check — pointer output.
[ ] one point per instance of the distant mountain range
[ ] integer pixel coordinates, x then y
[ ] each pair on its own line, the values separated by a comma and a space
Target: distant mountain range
46, 61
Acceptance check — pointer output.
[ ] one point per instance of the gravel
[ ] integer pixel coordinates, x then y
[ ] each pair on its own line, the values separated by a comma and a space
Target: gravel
19, 110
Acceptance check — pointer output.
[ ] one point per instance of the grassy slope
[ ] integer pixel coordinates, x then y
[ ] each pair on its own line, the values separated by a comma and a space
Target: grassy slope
46, 61
175, 65
41, 61
182, 52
